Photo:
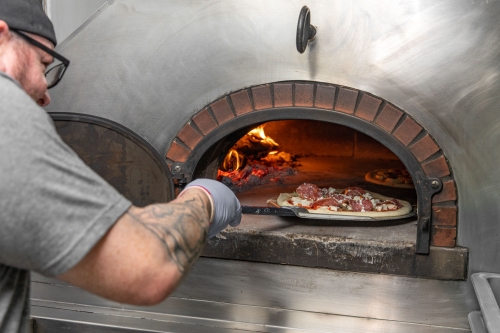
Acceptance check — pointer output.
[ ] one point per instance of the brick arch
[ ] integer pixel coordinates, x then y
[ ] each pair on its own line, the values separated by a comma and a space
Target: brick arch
375, 110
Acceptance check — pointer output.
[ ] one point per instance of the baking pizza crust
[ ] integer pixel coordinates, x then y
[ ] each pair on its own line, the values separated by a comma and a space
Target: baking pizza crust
375, 175
406, 209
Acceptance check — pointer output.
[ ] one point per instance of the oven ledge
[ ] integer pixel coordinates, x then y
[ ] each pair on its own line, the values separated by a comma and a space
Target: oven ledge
385, 248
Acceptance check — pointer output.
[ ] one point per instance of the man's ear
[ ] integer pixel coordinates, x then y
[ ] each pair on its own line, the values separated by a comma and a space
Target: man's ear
4, 40
4, 31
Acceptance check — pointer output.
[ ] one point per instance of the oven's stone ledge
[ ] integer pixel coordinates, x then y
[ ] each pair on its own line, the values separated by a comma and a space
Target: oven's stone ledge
395, 257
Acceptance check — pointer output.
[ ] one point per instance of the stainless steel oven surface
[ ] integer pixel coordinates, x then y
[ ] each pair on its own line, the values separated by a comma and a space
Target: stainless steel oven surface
172, 86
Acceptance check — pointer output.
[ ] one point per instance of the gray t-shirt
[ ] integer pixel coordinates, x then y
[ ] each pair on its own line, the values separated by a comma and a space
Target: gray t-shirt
53, 208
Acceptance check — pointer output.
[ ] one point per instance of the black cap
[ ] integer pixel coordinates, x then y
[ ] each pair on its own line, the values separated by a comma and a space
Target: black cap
27, 16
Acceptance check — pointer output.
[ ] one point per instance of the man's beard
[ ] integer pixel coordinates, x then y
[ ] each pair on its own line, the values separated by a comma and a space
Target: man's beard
21, 71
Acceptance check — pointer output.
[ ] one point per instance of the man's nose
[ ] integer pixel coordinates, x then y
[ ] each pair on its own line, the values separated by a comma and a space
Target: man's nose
45, 100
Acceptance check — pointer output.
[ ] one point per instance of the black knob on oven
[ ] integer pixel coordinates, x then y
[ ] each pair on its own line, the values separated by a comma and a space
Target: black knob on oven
305, 31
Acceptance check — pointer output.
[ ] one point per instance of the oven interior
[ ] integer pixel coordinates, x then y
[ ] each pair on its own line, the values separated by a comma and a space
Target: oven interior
322, 153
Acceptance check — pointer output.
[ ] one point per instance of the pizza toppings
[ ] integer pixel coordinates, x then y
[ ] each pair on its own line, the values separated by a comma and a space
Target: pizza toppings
388, 205
363, 205
353, 199
353, 191
309, 191
327, 202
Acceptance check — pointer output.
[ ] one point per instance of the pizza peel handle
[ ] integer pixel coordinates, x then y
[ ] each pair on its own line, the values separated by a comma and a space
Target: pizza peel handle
255, 210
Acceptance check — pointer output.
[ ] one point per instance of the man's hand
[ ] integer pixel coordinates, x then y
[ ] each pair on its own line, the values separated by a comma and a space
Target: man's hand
226, 207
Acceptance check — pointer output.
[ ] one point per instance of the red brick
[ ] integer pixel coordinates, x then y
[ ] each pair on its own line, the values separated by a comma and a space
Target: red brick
325, 96
368, 107
241, 102
443, 237
407, 131
262, 97
282, 95
304, 94
448, 193
424, 148
436, 168
177, 153
389, 117
346, 101
204, 121
222, 110
189, 136
444, 216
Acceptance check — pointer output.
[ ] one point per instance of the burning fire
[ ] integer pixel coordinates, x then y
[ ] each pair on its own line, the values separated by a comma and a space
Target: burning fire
259, 134
233, 160
254, 160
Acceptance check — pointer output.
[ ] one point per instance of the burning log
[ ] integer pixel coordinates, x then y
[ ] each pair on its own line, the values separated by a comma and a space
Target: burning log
255, 160
255, 143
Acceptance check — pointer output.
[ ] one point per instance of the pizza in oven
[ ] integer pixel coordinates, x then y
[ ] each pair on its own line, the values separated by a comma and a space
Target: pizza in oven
353, 201
390, 177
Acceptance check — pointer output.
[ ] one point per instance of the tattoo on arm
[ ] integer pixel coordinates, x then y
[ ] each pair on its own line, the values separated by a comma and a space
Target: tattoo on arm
181, 226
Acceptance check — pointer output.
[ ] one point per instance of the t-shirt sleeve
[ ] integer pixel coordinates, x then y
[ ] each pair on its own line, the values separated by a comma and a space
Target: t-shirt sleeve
53, 207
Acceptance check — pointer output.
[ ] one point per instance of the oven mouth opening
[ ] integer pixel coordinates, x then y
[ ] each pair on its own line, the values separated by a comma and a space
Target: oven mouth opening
278, 156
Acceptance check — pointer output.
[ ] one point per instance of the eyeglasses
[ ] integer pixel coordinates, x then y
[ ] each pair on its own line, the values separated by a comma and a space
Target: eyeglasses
57, 69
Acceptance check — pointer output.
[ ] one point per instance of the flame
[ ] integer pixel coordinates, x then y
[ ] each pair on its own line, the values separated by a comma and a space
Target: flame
233, 160
258, 132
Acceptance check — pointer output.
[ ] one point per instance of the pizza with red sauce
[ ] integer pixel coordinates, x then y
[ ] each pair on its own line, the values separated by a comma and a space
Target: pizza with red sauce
353, 201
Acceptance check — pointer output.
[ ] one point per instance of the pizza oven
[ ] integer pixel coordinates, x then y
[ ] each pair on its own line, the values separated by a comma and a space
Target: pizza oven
152, 103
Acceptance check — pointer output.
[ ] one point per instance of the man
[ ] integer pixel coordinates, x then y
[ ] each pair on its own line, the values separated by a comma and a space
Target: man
58, 217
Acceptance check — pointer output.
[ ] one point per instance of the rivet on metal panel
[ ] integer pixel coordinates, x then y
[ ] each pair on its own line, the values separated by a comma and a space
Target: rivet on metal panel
435, 184
177, 169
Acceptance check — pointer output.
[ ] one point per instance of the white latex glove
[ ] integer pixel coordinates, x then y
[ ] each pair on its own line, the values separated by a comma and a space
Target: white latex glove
226, 207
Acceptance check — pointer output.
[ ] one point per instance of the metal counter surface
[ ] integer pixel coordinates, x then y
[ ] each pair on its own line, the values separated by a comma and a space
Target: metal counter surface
231, 296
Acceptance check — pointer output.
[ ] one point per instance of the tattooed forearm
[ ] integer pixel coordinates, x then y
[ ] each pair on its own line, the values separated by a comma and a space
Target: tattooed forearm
181, 226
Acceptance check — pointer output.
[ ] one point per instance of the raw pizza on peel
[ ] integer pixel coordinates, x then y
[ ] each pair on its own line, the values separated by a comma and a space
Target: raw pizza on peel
352, 201
399, 178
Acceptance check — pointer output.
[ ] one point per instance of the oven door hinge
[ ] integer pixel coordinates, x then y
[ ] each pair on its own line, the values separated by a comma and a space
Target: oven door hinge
428, 187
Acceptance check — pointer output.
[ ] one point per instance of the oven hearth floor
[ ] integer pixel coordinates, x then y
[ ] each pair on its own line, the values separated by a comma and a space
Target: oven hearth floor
386, 247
